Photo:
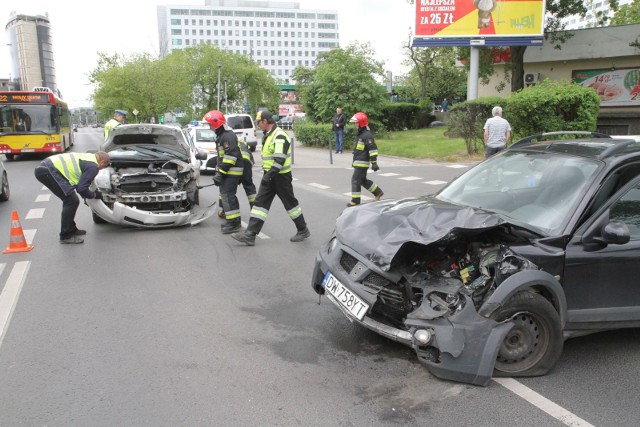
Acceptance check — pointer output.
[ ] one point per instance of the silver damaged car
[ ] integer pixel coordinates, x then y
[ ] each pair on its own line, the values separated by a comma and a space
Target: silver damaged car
152, 180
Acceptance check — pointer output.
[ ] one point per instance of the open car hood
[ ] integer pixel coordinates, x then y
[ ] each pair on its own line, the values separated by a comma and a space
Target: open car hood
146, 134
379, 230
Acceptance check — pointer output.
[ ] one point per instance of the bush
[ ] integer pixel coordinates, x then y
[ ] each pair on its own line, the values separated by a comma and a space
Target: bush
553, 106
402, 116
318, 135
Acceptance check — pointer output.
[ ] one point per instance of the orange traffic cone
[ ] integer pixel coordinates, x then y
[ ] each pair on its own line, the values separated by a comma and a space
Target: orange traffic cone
17, 243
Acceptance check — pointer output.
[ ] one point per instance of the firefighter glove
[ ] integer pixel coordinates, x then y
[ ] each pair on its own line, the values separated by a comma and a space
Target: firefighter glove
217, 179
375, 167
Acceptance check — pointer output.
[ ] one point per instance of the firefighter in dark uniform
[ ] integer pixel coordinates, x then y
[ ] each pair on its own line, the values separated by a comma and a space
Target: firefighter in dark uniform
247, 176
276, 181
229, 169
365, 150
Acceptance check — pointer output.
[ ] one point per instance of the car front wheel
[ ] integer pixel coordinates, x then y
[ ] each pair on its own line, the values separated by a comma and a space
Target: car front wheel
534, 344
4, 191
97, 219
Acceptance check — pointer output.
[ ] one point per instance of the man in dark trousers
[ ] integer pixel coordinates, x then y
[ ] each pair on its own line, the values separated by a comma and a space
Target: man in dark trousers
365, 150
229, 169
338, 129
68, 173
276, 181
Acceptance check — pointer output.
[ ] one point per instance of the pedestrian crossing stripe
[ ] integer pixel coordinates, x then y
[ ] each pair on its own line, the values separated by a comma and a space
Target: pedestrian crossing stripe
388, 174
410, 178
436, 182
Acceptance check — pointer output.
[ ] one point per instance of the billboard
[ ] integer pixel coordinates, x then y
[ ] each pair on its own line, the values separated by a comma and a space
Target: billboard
615, 87
479, 18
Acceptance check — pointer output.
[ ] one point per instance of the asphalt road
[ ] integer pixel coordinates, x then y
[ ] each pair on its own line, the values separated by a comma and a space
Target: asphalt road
188, 327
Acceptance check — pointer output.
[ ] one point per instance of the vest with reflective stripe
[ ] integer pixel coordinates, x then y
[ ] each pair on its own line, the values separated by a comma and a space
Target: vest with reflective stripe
273, 148
68, 164
109, 126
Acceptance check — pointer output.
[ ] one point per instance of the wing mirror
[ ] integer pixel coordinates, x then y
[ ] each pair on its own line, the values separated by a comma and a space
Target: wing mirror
201, 155
616, 233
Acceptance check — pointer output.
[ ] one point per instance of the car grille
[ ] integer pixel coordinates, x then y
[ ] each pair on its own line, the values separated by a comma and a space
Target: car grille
348, 262
386, 290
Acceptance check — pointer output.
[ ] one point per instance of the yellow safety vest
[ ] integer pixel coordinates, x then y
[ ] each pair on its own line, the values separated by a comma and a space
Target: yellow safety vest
68, 164
109, 126
273, 148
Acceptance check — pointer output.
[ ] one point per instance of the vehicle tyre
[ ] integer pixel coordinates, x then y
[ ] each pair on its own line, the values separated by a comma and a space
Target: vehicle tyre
4, 191
97, 219
253, 149
534, 344
9, 157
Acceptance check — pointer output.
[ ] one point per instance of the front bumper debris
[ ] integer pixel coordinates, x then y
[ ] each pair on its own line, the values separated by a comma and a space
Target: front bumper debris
125, 215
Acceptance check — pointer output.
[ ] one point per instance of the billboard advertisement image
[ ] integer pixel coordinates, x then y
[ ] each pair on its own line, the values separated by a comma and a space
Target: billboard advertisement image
616, 88
479, 18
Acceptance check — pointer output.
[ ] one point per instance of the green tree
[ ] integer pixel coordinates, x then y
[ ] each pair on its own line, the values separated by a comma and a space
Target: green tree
628, 14
343, 78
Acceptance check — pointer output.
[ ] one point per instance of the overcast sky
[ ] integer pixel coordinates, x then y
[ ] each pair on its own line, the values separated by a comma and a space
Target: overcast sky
80, 29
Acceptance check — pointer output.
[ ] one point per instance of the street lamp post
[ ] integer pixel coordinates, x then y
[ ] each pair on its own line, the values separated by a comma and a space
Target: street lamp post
219, 66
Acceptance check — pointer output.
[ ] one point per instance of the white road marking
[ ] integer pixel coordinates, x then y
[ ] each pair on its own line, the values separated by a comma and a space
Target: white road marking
44, 187
43, 197
388, 174
541, 402
320, 186
410, 178
11, 293
362, 197
436, 182
260, 235
29, 235
457, 166
35, 213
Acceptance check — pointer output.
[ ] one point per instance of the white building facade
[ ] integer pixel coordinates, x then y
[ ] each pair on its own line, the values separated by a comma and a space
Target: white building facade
594, 9
279, 36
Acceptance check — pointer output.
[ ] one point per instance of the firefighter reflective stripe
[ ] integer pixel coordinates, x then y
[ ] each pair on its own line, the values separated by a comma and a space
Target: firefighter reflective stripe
373, 153
355, 196
232, 214
360, 164
295, 212
276, 165
360, 145
232, 171
68, 164
373, 188
259, 213
229, 159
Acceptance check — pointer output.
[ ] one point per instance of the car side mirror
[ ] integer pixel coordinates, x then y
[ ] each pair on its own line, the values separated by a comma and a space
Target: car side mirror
212, 163
201, 155
616, 233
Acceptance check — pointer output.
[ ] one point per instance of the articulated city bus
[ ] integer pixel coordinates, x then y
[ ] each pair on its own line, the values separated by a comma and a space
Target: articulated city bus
34, 122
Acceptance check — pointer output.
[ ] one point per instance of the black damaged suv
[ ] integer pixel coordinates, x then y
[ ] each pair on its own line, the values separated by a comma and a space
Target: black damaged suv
490, 275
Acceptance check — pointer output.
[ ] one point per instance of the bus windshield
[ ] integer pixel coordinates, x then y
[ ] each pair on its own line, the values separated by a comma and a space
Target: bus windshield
20, 119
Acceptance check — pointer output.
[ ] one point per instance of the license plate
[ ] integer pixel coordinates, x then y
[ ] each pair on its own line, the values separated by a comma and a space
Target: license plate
28, 150
344, 297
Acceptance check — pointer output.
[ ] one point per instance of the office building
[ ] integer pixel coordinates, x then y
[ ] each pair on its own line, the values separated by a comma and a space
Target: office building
594, 9
31, 49
279, 36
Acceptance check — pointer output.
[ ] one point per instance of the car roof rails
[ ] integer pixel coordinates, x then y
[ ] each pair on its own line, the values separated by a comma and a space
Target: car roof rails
529, 139
617, 148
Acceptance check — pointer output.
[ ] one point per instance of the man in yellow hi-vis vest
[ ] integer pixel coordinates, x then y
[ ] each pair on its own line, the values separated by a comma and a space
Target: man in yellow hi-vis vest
119, 116
276, 181
68, 173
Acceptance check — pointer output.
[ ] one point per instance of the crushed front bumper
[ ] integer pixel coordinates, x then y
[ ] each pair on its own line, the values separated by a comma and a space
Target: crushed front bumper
462, 347
125, 215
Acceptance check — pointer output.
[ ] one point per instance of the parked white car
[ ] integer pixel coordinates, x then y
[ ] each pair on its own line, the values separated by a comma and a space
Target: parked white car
204, 138
244, 128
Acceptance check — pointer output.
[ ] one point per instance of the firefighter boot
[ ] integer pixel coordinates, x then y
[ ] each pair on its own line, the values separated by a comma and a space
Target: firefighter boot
247, 237
231, 226
301, 235
379, 195
221, 213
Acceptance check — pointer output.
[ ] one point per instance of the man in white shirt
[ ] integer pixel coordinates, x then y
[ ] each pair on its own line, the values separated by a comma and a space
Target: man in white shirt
497, 132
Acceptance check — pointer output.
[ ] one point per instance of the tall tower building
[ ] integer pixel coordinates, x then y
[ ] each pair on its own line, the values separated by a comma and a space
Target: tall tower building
277, 35
31, 52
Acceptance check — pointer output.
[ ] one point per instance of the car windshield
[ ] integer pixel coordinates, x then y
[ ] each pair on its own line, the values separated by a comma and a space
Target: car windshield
205, 135
240, 122
538, 191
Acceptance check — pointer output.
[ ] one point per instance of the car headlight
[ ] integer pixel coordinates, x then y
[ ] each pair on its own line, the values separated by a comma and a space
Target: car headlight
332, 244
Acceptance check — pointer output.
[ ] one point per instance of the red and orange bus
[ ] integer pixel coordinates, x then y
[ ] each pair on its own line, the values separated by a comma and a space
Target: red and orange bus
34, 122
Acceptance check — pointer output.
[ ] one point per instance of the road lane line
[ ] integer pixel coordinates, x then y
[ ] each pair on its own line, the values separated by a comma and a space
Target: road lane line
541, 402
388, 174
43, 197
29, 235
457, 166
410, 178
436, 182
35, 213
320, 186
10, 294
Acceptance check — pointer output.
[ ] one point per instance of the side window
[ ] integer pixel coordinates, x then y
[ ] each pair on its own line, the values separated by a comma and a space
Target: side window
627, 210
